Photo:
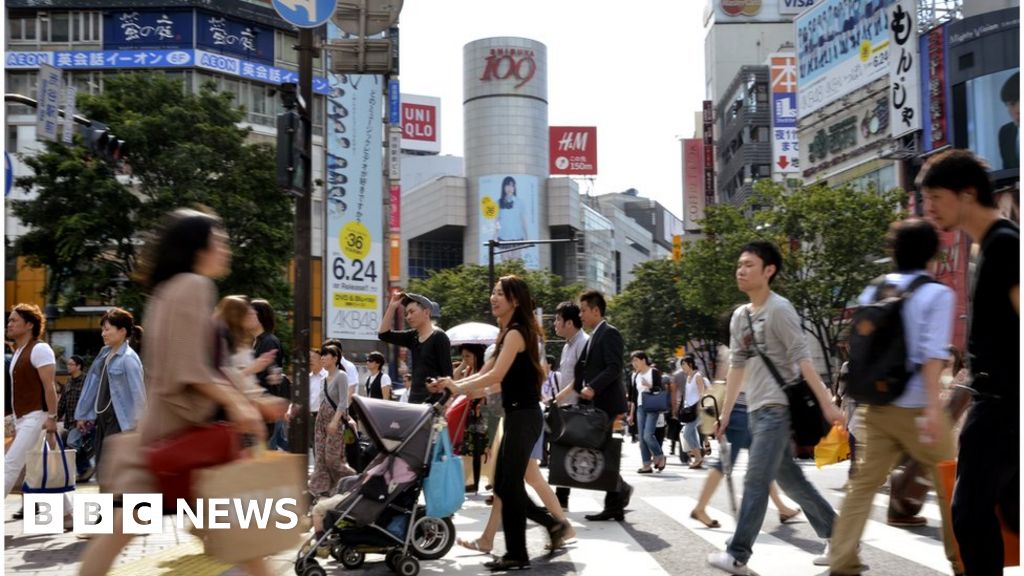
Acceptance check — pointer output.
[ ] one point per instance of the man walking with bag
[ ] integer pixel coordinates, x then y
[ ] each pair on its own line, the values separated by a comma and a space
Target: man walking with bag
958, 194
766, 337
33, 393
598, 379
568, 325
913, 421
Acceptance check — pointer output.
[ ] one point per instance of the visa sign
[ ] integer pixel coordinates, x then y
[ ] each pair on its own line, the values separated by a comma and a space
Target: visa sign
794, 6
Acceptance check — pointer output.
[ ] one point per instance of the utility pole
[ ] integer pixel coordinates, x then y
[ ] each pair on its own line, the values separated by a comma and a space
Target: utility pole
494, 248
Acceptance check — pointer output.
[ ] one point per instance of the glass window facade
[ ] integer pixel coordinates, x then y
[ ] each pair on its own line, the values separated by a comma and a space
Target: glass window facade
426, 255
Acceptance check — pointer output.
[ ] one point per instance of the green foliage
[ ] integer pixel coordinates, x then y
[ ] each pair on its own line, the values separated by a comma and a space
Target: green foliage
831, 240
464, 296
183, 149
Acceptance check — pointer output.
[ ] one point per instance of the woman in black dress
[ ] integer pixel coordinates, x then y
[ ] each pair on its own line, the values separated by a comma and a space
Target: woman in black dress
520, 374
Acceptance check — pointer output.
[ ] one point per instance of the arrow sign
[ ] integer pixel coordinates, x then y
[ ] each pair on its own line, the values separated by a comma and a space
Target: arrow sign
783, 162
305, 13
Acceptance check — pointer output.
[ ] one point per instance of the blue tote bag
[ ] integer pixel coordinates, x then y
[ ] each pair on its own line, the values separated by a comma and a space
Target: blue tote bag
444, 488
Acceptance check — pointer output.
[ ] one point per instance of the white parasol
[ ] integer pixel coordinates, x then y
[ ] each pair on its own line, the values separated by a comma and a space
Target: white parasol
472, 333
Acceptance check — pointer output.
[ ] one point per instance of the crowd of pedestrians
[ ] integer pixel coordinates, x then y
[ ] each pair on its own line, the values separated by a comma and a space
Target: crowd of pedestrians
200, 361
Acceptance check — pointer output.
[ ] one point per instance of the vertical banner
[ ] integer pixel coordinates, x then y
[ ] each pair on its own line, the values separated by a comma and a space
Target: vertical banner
709, 153
508, 211
70, 101
48, 103
693, 183
785, 145
904, 74
353, 170
573, 150
936, 129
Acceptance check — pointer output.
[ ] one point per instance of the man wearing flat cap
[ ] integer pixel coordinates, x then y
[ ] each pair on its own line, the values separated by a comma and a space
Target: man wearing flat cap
429, 346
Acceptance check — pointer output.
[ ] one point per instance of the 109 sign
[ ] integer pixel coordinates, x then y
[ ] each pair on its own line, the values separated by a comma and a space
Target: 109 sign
506, 63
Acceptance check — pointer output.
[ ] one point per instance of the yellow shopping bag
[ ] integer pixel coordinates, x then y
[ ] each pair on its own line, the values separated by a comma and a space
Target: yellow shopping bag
833, 448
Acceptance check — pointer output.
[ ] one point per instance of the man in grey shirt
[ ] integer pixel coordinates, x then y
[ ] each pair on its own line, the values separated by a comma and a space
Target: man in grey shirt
568, 325
776, 331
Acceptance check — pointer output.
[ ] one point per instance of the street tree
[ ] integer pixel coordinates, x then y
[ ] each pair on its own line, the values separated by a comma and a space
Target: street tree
652, 316
463, 294
183, 149
832, 241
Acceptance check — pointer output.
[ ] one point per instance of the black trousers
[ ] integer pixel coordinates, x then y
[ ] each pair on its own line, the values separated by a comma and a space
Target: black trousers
987, 477
521, 431
615, 501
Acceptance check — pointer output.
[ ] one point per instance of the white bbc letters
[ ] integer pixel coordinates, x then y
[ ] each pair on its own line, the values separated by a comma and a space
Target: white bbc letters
93, 513
143, 513
44, 514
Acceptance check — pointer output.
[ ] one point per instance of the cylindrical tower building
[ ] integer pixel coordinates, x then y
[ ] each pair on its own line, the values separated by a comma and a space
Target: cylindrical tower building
505, 107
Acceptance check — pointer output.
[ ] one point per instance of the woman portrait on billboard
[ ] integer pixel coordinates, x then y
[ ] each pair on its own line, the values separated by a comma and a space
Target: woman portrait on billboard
511, 216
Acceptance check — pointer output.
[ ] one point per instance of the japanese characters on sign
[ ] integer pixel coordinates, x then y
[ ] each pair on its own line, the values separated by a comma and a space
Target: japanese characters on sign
693, 183
48, 103
114, 59
834, 147
709, 153
235, 37
572, 150
936, 129
785, 144
353, 190
70, 104
136, 29
904, 74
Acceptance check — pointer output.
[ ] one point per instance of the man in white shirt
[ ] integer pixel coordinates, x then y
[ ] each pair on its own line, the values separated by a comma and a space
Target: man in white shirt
568, 325
33, 392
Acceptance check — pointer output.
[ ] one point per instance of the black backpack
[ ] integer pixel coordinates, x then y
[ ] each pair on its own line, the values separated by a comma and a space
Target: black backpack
878, 372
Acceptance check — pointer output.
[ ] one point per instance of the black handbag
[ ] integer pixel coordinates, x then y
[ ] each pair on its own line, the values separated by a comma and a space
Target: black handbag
688, 414
586, 468
805, 418
582, 426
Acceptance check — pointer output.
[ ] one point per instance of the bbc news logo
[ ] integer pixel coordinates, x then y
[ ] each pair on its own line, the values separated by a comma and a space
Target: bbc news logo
143, 513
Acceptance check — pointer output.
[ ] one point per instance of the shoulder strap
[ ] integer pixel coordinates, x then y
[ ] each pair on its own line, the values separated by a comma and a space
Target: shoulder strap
333, 404
917, 283
764, 357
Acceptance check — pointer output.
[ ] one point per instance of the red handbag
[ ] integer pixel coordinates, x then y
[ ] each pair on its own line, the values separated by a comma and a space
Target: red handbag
172, 460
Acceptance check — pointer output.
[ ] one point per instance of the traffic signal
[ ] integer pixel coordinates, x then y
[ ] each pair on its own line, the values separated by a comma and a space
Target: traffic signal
102, 142
290, 152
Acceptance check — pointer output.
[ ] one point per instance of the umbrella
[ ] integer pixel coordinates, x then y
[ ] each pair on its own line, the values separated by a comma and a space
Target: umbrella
472, 333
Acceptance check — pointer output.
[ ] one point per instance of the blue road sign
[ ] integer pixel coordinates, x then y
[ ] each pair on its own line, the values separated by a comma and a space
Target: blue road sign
394, 103
305, 13
8, 174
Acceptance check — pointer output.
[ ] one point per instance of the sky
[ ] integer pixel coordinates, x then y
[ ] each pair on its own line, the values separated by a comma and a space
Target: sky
635, 71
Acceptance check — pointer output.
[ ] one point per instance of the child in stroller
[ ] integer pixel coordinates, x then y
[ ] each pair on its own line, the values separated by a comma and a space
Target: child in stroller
377, 512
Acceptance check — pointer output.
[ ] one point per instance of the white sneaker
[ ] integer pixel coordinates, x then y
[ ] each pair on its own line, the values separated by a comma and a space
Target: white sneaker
725, 561
822, 560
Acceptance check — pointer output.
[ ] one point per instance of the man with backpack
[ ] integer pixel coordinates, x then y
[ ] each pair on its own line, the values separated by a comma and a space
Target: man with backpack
898, 348
958, 194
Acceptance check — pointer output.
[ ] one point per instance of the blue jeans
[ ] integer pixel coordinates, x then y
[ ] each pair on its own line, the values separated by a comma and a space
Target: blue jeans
738, 435
691, 435
647, 424
771, 458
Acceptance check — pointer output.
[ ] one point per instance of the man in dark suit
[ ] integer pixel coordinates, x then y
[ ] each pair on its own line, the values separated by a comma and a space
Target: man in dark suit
599, 380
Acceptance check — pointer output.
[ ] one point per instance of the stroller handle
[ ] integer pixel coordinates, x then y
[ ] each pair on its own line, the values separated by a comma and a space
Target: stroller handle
714, 402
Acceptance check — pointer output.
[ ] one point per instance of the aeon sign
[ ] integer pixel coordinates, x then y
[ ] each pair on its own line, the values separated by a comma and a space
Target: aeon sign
510, 63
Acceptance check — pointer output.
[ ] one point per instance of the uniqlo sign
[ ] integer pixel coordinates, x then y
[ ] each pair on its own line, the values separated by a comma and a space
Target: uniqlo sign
421, 122
573, 150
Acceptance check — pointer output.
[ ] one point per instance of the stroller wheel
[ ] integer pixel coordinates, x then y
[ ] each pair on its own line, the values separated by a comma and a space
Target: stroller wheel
407, 566
349, 557
391, 558
309, 568
432, 538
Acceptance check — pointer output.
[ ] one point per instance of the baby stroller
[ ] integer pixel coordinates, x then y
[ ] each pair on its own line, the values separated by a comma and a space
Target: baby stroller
379, 511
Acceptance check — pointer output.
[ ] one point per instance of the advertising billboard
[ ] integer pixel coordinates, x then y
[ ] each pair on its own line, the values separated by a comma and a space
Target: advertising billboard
353, 190
707, 123
785, 144
841, 45
847, 138
935, 101
236, 37
421, 123
741, 11
138, 29
992, 117
573, 150
509, 206
693, 183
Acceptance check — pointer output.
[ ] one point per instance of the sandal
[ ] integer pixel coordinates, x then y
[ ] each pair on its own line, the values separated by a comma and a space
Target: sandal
661, 464
710, 523
473, 545
783, 518
557, 535
645, 471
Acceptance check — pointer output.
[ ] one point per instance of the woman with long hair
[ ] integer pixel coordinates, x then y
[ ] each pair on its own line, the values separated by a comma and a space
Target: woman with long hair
646, 379
329, 464
474, 438
114, 396
185, 389
241, 325
518, 370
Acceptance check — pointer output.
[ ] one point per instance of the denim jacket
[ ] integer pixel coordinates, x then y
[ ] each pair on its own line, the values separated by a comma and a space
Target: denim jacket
127, 392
